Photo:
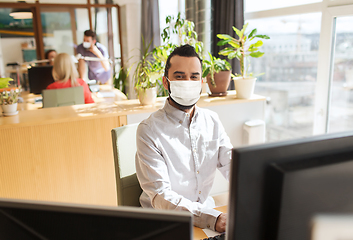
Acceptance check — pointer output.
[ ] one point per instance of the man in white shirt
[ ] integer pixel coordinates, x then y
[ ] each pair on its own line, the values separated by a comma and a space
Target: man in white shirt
180, 146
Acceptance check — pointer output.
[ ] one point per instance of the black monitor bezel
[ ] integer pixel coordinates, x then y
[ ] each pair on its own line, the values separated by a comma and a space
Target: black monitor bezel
173, 217
247, 181
39, 77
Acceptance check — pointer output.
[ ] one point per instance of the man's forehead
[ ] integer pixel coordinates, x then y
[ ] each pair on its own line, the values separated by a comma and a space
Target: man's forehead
178, 62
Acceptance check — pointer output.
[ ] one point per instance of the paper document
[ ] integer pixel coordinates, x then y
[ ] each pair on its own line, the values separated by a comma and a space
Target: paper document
210, 233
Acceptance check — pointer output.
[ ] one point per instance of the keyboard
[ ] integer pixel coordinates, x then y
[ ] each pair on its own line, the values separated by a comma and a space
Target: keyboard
221, 236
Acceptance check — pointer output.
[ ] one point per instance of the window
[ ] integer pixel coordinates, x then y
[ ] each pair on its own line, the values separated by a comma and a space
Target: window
303, 97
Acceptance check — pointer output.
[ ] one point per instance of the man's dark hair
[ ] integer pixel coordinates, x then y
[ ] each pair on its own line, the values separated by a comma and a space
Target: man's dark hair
47, 53
90, 33
182, 51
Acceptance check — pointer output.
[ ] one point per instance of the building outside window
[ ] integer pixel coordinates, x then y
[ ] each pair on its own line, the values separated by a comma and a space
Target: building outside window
307, 66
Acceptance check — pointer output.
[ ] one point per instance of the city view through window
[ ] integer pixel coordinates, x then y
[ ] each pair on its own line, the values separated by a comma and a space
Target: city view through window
290, 71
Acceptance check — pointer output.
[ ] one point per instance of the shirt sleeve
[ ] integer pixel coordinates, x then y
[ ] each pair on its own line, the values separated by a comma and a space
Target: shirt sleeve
104, 51
152, 173
225, 150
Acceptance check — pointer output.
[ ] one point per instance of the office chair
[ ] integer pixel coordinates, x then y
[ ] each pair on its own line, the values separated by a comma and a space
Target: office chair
63, 97
124, 148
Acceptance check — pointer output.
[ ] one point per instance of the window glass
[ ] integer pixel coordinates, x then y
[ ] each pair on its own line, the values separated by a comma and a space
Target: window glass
170, 8
58, 30
341, 107
100, 24
17, 43
259, 5
290, 68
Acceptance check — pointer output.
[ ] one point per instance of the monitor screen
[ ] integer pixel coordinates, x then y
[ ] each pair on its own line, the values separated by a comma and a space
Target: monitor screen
277, 188
39, 77
21, 219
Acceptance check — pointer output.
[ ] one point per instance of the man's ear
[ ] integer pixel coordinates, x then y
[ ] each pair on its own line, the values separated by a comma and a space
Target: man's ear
165, 83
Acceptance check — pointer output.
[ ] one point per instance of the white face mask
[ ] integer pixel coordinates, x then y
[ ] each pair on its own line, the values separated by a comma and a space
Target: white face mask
186, 93
86, 44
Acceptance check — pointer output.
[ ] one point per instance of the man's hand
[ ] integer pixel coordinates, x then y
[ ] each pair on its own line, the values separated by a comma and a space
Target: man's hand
221, 223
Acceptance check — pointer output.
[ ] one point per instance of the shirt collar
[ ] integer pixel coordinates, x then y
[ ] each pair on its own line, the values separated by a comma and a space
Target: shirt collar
178, 114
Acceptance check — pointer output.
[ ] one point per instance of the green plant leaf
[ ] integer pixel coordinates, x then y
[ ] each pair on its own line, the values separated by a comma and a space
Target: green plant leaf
232, 55
258, 43
226, 51
206, 72
224, 36
256, 54
237, 31
253, 32
234, 44
262, 36
223, 42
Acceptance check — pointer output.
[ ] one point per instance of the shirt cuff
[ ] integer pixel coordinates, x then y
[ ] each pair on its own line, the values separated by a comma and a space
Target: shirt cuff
207, 219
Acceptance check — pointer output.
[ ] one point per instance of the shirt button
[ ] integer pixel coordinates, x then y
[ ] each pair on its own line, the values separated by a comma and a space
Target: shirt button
199, 192
180, 122
194, 149
208, 225
197, 172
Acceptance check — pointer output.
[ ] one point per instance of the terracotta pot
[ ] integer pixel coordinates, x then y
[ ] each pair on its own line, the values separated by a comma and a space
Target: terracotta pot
244, 87
147, 96
222, 80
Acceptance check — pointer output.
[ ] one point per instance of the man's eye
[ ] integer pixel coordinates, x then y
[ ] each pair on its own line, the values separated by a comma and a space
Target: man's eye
178, 76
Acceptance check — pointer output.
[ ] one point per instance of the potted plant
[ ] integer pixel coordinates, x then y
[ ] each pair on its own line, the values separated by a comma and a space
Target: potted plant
145, 77
184, 31
242, 49
217, 71
8, 97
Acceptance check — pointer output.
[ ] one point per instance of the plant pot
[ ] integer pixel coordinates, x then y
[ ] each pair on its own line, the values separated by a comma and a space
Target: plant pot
9, 109
244, 87
222, 80
147, 96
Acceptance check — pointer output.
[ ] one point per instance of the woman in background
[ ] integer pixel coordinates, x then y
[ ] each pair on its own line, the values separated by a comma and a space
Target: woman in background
50, 55
66, 75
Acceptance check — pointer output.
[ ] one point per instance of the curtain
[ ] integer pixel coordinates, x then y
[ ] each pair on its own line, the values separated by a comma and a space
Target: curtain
150, 23
226, 13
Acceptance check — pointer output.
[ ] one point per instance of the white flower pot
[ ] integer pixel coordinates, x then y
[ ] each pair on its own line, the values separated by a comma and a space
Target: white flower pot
147, 96
244, 87
9, 109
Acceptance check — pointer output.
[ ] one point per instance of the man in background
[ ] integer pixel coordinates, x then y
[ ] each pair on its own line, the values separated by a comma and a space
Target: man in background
97, 70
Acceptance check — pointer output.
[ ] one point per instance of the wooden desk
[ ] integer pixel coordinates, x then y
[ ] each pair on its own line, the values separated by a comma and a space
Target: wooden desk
199, 233
65, 154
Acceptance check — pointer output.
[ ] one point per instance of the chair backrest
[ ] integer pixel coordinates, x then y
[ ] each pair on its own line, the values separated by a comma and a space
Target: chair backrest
124, 148
63, 97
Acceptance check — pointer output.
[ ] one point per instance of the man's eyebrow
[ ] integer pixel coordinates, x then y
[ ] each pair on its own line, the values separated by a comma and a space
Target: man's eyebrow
195, 73
178, 72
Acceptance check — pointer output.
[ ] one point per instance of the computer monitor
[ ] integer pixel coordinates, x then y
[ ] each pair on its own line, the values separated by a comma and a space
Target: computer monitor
276, 188
21, 219
39, 77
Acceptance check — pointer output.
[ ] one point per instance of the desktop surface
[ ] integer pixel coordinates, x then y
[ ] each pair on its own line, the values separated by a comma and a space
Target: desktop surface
21, 219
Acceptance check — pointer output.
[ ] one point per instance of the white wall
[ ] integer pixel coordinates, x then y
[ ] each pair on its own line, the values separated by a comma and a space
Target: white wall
12, 51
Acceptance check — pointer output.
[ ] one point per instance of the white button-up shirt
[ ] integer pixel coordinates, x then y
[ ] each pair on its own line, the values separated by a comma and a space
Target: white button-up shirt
176, 161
